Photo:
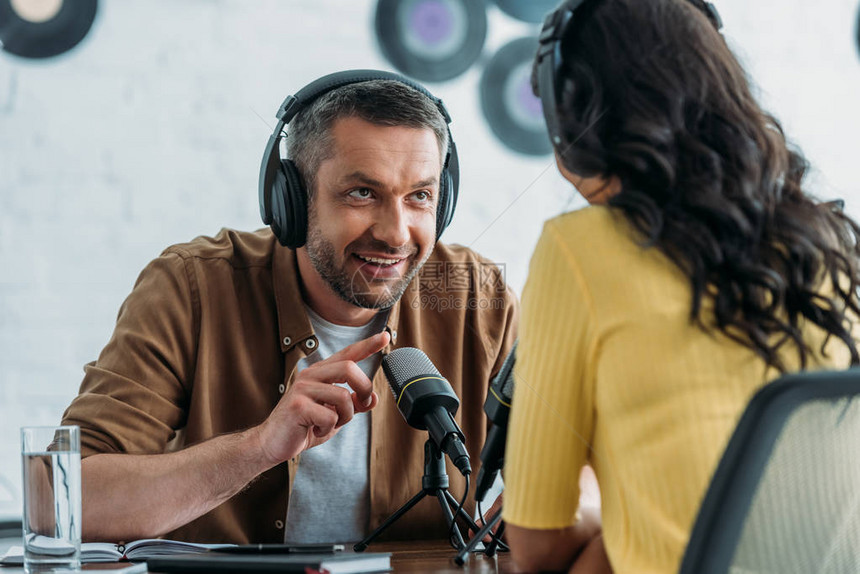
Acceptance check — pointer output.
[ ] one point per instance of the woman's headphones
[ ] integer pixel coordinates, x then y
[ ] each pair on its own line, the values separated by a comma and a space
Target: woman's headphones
283, 197
549, 57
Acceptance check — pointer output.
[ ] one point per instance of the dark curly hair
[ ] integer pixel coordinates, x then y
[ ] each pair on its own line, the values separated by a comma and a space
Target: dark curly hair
650, 93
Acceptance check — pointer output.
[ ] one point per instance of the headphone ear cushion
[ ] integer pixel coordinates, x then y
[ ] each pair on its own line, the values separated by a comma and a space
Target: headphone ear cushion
296, 202
277, 208
444, 209
289, 206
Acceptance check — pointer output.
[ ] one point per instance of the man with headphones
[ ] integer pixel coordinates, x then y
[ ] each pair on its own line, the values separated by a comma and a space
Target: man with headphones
239, 399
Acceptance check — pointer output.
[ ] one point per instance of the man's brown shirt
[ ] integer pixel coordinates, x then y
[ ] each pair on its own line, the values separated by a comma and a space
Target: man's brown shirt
208, 342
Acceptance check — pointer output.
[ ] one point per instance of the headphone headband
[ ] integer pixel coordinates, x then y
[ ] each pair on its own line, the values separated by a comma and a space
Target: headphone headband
304, 97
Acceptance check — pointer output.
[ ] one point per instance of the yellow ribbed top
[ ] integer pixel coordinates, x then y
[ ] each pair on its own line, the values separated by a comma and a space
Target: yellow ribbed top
611, 372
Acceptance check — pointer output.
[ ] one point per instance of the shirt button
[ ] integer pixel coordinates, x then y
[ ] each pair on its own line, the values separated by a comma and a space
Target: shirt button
310, 343
282, 388
279, 524
393, 336
287, 341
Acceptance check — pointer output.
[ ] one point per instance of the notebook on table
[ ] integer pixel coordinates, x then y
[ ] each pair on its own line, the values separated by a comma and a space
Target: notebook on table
340, 563
109, 552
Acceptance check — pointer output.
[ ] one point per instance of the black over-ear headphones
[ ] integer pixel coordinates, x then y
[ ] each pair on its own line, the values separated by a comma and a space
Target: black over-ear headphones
283, 197
549, 56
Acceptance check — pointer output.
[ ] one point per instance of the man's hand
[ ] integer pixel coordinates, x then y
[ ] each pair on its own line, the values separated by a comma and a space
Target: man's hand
488, 515
314, 408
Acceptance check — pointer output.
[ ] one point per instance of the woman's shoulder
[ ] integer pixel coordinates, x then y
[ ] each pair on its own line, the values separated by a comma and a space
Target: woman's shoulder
605, 246
595, 227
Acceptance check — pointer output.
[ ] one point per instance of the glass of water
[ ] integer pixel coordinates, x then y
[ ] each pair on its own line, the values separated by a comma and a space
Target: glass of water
51, 460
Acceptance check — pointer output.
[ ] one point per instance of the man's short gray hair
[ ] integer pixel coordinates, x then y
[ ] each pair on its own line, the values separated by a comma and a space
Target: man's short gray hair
380, 102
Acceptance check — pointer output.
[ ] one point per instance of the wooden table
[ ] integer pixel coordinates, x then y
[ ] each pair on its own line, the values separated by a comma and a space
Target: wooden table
438, 557
420, 556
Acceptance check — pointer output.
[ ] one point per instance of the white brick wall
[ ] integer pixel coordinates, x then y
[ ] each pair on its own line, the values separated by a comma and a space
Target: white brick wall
151, 132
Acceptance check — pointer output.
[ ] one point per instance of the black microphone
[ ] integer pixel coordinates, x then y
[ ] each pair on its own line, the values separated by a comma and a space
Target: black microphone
427, 401
498, 407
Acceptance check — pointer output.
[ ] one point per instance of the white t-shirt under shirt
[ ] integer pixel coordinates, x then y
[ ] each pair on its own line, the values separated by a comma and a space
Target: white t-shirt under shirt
330, 499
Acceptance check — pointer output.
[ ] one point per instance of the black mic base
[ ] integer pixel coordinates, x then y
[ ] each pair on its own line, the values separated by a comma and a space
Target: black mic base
434, 483
490, 549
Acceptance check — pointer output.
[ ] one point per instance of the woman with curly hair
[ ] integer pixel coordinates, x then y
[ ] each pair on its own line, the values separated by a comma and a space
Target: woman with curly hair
701, 270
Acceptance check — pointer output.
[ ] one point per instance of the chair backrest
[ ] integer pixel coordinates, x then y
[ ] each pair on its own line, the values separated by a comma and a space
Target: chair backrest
785, 497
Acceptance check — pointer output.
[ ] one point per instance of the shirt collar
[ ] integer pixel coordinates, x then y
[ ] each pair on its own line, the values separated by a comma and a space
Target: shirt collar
293, 323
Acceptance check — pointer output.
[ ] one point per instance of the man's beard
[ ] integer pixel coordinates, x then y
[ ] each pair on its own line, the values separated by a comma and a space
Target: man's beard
353, 287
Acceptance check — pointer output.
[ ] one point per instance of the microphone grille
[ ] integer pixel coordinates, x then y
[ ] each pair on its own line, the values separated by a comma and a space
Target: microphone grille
508, 386
406, 363
504, 382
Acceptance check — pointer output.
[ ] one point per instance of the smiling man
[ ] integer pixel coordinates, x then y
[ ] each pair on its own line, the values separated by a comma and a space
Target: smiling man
239, 398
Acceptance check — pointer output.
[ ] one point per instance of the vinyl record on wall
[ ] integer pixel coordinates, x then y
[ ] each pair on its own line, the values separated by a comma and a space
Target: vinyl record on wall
857, 31
431, 40
532, 11
44, 28
511, 108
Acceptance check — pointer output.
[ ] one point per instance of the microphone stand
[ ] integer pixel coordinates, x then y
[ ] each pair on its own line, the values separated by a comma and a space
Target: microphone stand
434, 483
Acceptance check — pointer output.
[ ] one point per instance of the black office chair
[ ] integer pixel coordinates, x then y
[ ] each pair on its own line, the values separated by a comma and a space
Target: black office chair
785, 497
